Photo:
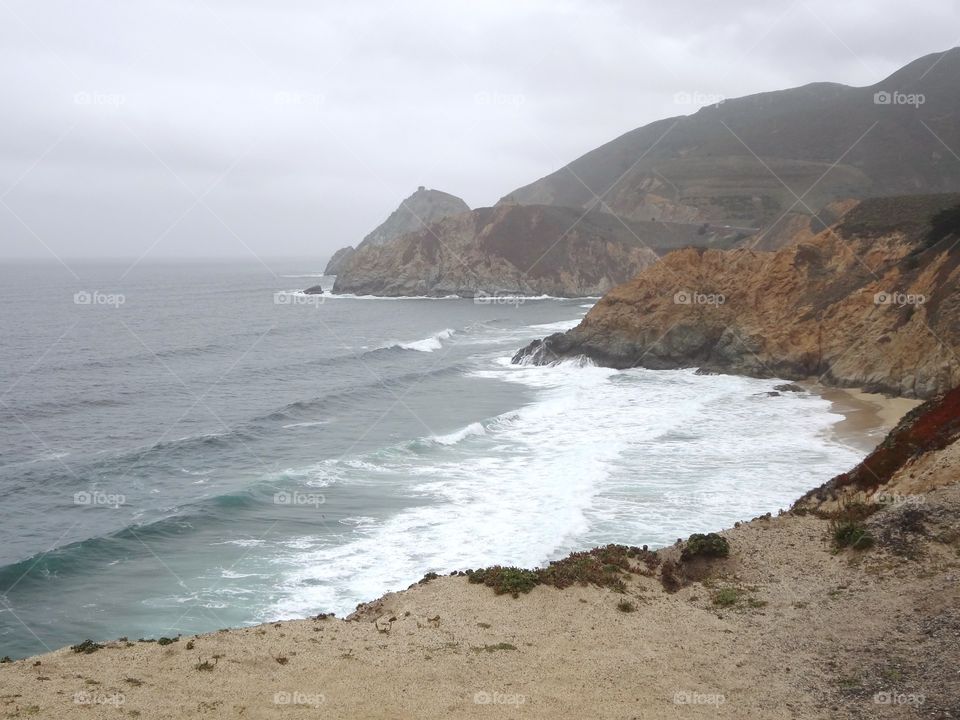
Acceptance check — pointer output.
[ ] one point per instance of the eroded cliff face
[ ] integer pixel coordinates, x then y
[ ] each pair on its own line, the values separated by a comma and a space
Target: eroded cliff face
872, 302
529, 250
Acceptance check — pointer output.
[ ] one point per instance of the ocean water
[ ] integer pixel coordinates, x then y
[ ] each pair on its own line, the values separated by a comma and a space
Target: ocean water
194, 446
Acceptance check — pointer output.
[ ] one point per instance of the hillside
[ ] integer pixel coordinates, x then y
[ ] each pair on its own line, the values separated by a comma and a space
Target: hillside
874, 301
769, 160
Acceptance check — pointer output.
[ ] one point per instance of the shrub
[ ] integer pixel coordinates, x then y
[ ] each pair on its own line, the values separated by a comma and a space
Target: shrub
626, 606
86, 647
709, 545
852, 534
512, 580
670, 576
725, 597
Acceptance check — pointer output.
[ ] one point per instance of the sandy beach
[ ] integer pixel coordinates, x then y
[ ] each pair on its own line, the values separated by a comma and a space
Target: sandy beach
867, 417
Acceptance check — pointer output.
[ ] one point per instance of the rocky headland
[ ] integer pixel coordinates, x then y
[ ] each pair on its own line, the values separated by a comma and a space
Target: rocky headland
509, 249
873, 301
414, 213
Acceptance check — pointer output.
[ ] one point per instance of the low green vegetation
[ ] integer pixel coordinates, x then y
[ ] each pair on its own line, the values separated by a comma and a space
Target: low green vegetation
710, 545
851, 534
503, 580
726, 597
603, 566
86, 647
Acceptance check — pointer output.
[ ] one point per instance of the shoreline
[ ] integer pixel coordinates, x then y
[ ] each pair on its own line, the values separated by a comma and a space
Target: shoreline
674, 638
867, 417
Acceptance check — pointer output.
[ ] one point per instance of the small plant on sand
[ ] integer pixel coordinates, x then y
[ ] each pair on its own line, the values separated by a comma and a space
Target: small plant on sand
495, 648
850, 534
167, 641
206, 665
626, 606
726, 597
86, 647
503, 580
709, 545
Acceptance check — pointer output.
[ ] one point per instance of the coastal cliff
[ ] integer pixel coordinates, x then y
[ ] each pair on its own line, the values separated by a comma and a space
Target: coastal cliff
873, 301
510, 250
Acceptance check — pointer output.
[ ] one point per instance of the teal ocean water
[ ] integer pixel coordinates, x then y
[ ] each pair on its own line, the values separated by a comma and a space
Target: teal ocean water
197, 446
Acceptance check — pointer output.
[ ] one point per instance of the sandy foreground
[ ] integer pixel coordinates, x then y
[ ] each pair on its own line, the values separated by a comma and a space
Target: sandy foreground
786, 627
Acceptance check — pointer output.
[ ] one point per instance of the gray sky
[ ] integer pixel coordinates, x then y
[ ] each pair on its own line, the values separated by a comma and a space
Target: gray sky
170, 128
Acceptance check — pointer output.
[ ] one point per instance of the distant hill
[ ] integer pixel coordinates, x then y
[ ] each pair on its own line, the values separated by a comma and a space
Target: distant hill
414, 213
745, 161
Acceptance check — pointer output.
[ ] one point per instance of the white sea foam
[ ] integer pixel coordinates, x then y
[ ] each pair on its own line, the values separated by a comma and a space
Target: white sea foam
434, 342
312, 423
350, 296
455, 437
600, 456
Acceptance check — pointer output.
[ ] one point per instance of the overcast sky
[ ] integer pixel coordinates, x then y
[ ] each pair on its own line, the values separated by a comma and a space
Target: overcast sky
166, 128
